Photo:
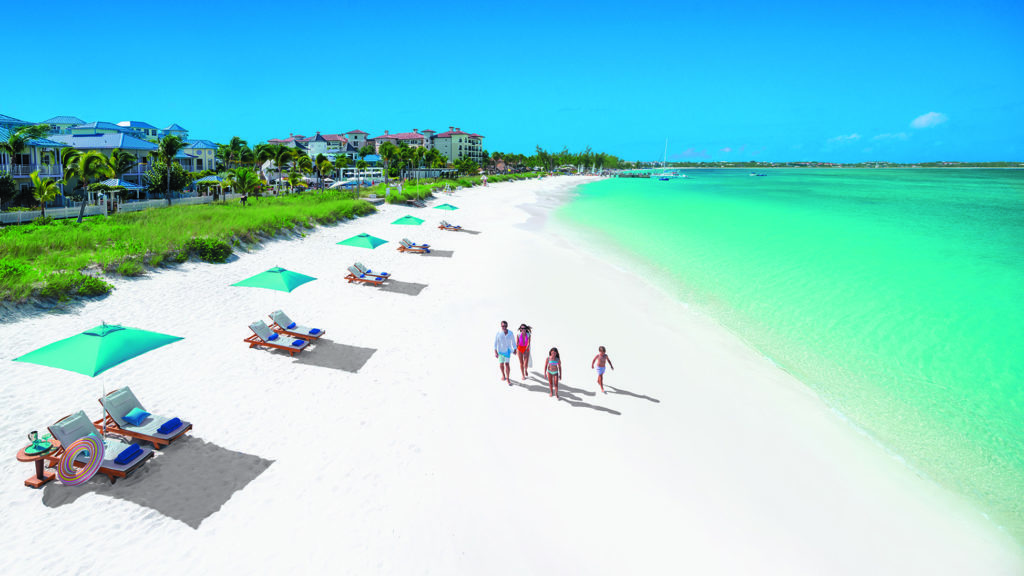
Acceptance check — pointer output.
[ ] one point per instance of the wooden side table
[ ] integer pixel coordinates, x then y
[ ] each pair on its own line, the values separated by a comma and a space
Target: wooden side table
42, 475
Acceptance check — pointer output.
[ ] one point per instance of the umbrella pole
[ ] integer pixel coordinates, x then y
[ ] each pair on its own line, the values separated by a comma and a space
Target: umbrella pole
103, 415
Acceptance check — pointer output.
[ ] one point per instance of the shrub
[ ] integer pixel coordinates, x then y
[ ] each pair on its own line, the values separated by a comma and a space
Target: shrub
180, 256
42, 220
210, 249
130, 267
62, 284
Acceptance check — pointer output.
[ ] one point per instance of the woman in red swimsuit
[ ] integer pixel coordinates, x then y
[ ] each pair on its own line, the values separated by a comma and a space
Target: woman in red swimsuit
523, 348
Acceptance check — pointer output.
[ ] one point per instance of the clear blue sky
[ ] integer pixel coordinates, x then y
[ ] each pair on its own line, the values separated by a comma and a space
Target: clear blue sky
770, 81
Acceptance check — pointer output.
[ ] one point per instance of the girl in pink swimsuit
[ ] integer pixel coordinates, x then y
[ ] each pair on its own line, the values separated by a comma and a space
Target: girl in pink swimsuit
523, 348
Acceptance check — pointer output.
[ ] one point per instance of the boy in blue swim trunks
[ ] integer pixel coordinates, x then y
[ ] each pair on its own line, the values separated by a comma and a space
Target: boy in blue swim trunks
600, 360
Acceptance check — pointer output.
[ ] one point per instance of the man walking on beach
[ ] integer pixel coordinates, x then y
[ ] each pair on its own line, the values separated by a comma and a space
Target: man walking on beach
504, 347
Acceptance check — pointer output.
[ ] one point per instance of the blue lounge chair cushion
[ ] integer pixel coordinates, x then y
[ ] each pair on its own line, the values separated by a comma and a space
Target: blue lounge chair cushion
290, 326
135, 416
128, 454
298, 343
314, 330
272, 337
170, 426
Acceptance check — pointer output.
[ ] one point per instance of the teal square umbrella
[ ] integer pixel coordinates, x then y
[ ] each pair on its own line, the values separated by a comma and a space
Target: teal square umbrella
363, 241
98, 350
409, 221
446, 207
276, 278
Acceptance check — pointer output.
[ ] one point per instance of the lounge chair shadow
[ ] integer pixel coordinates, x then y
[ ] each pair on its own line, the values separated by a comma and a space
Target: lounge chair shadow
468, 231
407, 288
568, 394
440, 253
188, 481
337, 356
615, 390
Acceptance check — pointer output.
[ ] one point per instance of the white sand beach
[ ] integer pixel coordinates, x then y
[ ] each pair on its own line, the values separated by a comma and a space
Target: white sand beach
393, 447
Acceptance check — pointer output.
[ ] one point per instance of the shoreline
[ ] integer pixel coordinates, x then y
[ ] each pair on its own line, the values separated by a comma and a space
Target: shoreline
418, 458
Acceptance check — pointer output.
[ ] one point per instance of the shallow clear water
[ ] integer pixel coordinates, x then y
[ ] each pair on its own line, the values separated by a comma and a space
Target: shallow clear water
897, 295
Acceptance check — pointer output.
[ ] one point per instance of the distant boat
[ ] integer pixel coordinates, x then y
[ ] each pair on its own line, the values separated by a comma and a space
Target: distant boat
753, 174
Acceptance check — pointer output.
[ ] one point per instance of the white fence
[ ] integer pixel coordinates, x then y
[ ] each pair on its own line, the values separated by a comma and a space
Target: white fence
101, 209
69, 212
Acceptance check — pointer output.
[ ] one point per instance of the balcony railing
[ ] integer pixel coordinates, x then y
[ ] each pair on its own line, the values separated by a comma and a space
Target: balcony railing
26, 169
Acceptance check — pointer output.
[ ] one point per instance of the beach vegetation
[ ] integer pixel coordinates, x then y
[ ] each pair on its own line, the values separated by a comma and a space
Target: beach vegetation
48, 260
162, 179
83, 168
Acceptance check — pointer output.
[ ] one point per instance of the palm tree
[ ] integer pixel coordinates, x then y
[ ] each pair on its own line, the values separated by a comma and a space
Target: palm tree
43, 190
282, 154
361, 167
316, 166
303, 164
85, 166
340, 163
260, 154
387, 153
244, 181
324, 166
169, 148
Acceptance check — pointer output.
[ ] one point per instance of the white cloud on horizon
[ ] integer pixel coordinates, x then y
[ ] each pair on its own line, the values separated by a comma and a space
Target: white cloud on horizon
892, 136
929, 120
727, 149
844, 138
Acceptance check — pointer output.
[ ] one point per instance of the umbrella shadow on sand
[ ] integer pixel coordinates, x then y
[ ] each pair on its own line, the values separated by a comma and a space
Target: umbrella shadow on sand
188, 481
336, 356
407, 288
568, 394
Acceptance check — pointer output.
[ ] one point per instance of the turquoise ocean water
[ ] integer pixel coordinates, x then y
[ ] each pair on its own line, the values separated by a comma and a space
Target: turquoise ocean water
897, 295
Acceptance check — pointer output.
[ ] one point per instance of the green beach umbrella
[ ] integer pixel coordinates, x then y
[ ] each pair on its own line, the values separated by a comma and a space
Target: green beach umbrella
363, 241
446, 207
409, 220
98, 349
276, 278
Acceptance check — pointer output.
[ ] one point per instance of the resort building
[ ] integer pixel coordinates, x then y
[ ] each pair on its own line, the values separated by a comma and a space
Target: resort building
141, 129
412, 139
456, 145
91, 128
62, 124
357, 138
106, 143
174, 130
40, 154
203, 154
11, 122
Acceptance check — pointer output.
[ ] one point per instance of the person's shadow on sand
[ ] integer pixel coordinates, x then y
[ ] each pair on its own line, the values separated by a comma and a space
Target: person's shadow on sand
615, 390
568, 394
189, 481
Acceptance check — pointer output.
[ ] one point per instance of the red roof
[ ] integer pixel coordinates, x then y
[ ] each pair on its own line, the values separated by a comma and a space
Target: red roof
335, 138
357, 132
451, 133
401, 136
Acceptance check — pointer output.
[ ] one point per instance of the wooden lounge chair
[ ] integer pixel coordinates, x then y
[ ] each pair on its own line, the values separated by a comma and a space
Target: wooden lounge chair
362, 268
355, 275
282, 324
450, 227
120, 402
77, 425
263, 336
408, 246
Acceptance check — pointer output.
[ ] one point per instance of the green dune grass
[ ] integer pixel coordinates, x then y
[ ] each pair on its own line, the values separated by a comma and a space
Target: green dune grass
48, 260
